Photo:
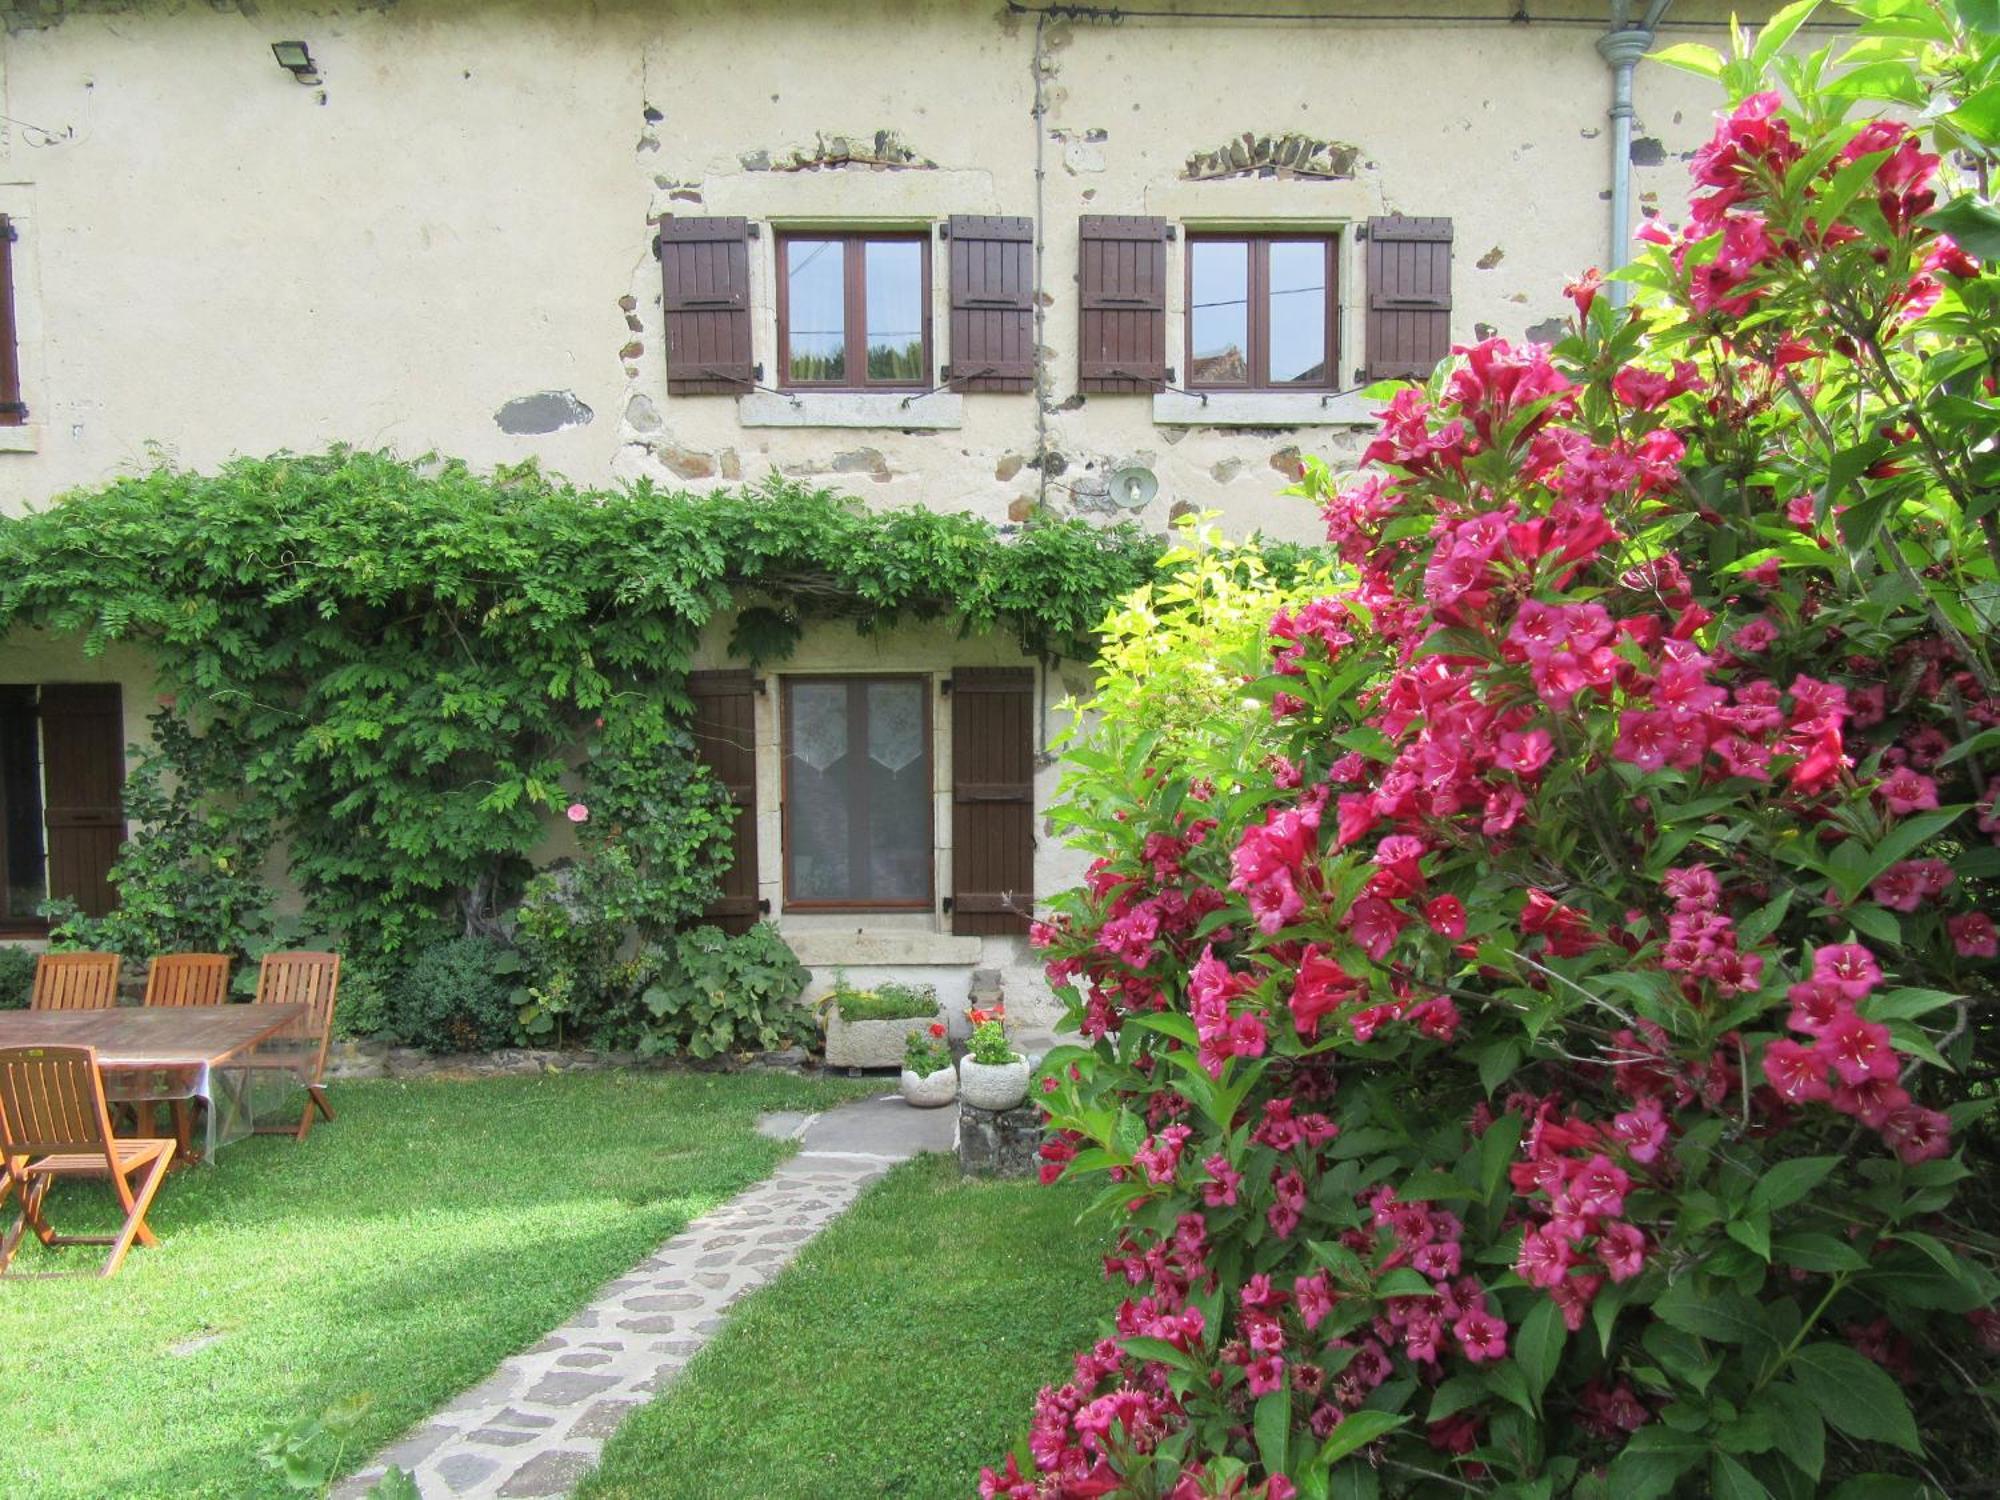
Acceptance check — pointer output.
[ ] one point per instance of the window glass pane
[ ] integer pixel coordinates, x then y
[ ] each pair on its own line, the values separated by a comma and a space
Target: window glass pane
20, 806
899, 817
816, 788
1219, 312
1298, 312
895, 273
815, 317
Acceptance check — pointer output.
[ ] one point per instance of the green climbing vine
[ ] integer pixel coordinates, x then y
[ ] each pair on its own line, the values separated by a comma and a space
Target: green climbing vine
391, 669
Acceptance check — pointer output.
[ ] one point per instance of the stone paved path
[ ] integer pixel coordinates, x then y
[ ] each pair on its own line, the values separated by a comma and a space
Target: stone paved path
539, 1423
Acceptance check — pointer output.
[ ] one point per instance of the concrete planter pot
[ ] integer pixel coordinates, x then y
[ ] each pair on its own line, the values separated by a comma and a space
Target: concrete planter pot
993, 1085
930, 1090
869, 1044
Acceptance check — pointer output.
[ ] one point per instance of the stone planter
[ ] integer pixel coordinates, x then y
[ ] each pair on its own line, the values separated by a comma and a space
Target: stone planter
930, 1090
993, 1086
869, 1044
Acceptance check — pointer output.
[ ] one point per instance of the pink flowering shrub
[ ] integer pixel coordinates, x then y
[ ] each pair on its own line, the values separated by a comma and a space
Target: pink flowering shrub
1538, 1056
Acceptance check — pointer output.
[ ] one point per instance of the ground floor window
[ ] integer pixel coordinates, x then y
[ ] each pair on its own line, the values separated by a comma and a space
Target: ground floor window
62, 775
23, 872
857, 792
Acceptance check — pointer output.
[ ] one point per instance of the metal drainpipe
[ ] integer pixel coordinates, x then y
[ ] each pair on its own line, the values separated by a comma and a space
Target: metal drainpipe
1622, 49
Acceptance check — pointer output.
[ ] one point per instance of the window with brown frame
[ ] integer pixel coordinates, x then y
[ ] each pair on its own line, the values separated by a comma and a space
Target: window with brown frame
857, 793
854, 311
13, 410
1261, 312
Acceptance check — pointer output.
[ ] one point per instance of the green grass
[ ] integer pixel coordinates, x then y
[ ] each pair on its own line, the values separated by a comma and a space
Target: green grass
898, 1354
403, 1251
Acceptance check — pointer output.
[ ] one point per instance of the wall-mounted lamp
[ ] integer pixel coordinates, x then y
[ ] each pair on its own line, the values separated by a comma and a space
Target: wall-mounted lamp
296, 59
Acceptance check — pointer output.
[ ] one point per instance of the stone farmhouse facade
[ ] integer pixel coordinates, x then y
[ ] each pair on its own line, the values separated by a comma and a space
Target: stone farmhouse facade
1000, 256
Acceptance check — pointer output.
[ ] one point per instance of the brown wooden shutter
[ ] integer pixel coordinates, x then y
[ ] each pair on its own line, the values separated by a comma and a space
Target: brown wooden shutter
1409, 297
83, 779
13, 412
705, 277
1122, 322
725, 739
992, 800
992, 303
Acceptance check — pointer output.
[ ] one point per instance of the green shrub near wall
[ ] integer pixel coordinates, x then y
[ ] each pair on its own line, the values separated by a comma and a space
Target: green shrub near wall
396, 670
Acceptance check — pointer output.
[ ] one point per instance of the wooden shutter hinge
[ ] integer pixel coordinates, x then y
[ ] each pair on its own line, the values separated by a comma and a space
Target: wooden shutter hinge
14, 409
7, 230
764, 906
1173, 231
944, 686
944, 906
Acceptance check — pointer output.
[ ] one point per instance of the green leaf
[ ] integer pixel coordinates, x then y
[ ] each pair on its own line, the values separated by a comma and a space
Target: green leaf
1506, 1381
1404, 1282
1140, 1347
1789, 1181
1979, 114
1753, 1234
1721, 1314
1855, 1395
1811, 1251
1731, 1481
1455, 1395
1496, 1152
1653, 1462
1975, 225
1779, 30
1360, 1429
1273, 1426
1690, 57
1538, 1346
1797, 1428
1497, 1062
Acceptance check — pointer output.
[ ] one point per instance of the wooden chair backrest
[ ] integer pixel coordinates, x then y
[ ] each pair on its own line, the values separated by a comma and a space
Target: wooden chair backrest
52, 1103
75, 981
308, 979
188, 979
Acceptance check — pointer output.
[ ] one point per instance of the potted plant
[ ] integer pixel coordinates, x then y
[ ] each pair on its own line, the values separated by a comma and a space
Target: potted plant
992, 1074
867, 1028
929, 1080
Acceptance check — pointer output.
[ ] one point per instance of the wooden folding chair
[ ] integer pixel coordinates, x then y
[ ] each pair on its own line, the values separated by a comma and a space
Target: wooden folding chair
75, 981
311, 980
188, 979
54, 1123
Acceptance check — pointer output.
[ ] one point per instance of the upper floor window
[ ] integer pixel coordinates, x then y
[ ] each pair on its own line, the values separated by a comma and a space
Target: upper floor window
13, 412
854, 311
1261, 312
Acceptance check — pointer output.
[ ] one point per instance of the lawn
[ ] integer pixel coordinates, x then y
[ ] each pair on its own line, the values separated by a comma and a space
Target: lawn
404, 1251
900, 1352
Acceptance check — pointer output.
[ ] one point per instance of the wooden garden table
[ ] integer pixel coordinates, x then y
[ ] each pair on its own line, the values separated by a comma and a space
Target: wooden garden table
164, 1053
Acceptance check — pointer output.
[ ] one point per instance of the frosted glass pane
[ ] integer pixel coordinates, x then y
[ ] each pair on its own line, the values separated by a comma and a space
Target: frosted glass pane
858, 794
895, 723
817, 786
899, 812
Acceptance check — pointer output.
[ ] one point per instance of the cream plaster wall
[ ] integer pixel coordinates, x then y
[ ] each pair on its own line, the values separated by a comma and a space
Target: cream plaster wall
219, 260
216, 260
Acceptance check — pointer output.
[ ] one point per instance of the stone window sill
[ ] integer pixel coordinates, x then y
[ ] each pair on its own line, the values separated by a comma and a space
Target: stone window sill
882, 948
930, 410
1262, 409
23, 439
